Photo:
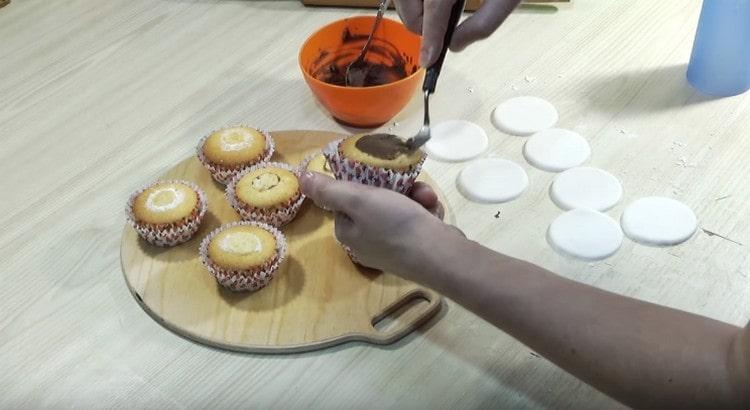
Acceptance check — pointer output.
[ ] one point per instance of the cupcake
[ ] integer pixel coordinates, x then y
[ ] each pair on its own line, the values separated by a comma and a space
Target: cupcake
167, 213
316, 162
243, 255
382, 160
229, 151
267, 192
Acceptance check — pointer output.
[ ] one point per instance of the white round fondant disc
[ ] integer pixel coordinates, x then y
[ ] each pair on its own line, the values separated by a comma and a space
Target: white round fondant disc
492, 180
456, 140
585, 234
524, 115
586, 187
658, 221
556, 150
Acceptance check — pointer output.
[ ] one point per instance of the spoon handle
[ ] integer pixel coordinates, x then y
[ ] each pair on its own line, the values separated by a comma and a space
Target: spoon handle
381, 10
430, 79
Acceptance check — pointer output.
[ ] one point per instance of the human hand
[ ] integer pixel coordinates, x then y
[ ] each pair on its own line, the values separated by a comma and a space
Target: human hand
430, 18
424, 195
384, 229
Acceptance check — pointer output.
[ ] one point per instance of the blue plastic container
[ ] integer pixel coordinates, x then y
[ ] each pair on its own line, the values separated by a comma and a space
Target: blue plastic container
720, 63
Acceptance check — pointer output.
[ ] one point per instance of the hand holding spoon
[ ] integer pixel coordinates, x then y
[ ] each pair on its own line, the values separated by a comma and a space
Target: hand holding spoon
356, 72
430, 79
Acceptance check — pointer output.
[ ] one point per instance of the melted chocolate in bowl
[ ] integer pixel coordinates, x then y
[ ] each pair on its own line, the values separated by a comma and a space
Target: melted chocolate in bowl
383, 63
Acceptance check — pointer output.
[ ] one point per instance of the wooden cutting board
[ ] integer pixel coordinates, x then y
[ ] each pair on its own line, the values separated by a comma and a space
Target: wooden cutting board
318, 298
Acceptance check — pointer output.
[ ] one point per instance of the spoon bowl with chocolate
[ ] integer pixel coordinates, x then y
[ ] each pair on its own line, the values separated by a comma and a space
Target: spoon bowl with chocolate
387, 81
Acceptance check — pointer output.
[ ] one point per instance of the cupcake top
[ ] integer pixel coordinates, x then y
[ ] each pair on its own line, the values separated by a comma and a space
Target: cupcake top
380, 150
242, 247
267, 187
319, 163
234, 146
164, 203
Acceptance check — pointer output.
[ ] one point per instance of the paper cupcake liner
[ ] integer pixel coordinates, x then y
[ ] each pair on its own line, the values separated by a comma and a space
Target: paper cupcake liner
350, 253
302, 167
277, 216
168, 234
350, 170
223, 174
353, 257
244, 280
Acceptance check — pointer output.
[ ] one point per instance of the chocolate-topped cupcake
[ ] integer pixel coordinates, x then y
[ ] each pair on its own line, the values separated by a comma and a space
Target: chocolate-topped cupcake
382, 160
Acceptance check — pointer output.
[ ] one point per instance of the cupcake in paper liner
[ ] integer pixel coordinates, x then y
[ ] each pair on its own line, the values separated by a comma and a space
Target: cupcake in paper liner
243, 256
315, 162
167, 213
349, 253
353, 257
267, 192
381, 160
228, 151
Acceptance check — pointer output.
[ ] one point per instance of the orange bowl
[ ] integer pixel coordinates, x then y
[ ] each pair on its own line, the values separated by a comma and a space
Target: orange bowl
341, 42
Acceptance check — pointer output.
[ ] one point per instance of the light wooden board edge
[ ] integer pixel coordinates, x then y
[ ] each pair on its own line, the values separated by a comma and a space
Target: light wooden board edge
377, 338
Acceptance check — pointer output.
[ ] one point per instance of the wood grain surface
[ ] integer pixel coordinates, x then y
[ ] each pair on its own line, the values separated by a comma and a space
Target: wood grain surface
471, 5
99, 97
317, 299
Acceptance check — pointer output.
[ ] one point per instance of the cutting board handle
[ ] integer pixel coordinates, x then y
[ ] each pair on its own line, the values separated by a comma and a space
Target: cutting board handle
402, 328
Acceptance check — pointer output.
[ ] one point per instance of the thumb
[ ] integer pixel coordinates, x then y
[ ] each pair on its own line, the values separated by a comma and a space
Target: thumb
434, 26
330, 194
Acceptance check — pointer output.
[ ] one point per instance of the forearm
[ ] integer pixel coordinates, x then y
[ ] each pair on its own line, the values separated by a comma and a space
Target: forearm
640, 353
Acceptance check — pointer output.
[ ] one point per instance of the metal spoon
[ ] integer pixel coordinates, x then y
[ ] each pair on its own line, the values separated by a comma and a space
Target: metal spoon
356, 72
430, 79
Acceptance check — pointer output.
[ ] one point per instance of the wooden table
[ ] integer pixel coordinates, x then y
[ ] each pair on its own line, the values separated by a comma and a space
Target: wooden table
97, 98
